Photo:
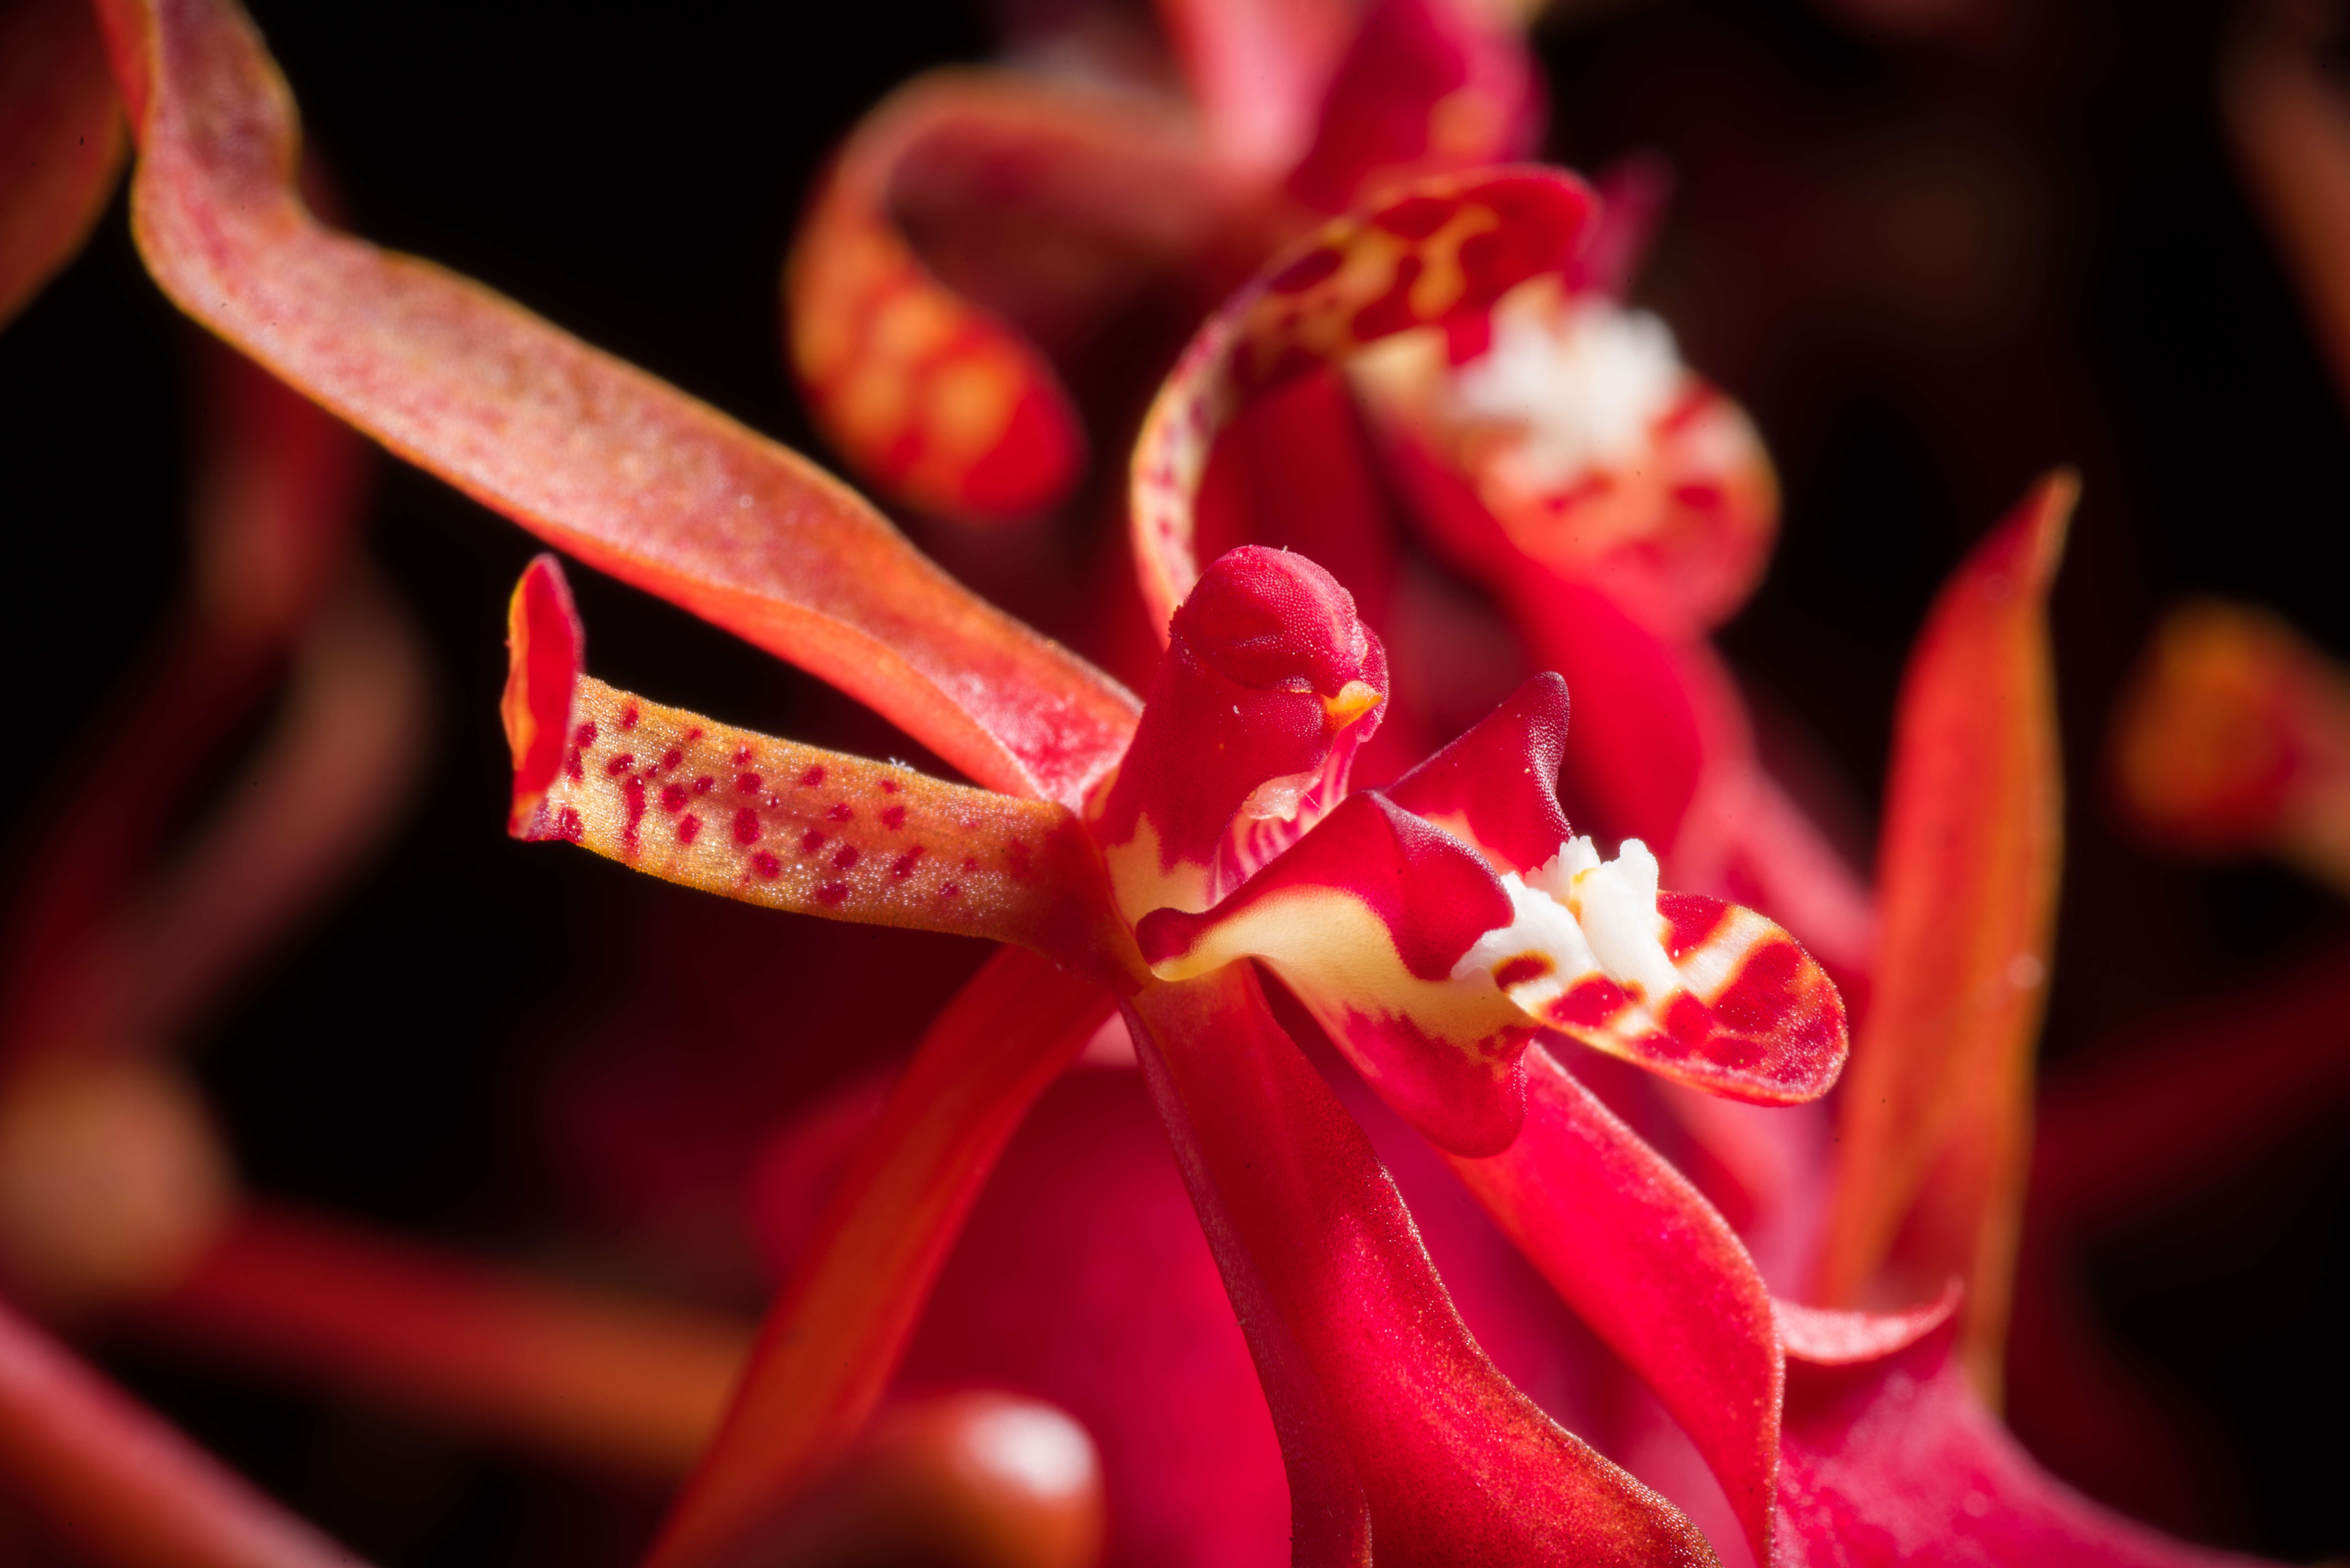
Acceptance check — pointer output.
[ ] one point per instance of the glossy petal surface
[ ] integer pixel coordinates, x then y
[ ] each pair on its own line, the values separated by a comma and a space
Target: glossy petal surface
626, 472
1934, 1121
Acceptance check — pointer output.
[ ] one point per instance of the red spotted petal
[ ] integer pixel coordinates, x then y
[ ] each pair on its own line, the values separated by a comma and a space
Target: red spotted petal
1428, 87
1968, 867
834, 1337
928, 392
1649, 1264
616, 466
1443, 252
766, 821
59, 121
1895, 1463
1395, 1428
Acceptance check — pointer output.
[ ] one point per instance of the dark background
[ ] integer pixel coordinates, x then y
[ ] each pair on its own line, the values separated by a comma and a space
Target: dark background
1930, 269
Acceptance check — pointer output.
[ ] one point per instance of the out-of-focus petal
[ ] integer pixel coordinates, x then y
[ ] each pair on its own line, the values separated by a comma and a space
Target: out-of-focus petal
1426, 88
1399, 1435
975, 1479
832, 1341
1258, 69
59, 121
107, 1474
1443, 252
928, 392
637, 478
1896, 1461
1647, 1261
1838, 1336
1934, 1121
2235, 737
763, 820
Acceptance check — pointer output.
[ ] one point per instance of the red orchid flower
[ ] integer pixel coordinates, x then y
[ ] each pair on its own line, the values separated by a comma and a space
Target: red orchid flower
979, 223
1391, 1416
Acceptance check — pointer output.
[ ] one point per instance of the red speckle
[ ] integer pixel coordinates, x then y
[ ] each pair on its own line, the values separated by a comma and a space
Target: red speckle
619, 765
584, 735
673, 798
1699, 497
1304, 272
704, 784
671, 758
841, 813
628, 717
1765, 997
575, 765
1520, 969
970, 862
894, 818
569, 826
832, 893
1690, 919
742, 756
749, 783
1023, 861
1686, 1021
693, 734
746, 826
903, 867
687, 826
766, 864
1589, 1003
635, 792
1416, 217
951, 890
811, 841
813, 777
846, 858
888, 786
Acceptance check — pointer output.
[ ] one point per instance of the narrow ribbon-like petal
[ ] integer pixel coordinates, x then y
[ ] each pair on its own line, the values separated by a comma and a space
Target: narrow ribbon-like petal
1895, 1461
766, 821
63, 130
1443, 252
127, 1490
1651, 1265
635, 477
1934, 1121
833, 1340
928, 393
1402, 1440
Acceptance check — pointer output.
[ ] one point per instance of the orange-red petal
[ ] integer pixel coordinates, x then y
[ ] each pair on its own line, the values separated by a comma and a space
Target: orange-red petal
63, 130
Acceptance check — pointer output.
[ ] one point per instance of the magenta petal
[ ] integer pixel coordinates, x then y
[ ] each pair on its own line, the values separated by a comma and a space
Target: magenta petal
1395, 1426
1896, 1462
1655, 1271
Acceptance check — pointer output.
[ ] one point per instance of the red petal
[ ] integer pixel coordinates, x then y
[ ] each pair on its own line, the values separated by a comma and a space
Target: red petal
1257, 69
1428, 87
1395, 1428
65, 141
1933, 1119
1647, 1261
832, 1341
1831, 1336
1443, 251
1496, 787
1896, 1462
621, 469
790, 826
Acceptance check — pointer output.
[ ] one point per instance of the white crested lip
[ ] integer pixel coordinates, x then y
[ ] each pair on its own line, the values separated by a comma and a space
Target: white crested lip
1582, 918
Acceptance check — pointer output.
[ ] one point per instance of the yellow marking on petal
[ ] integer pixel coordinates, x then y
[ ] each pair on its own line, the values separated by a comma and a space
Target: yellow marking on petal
1354, 700
967, 403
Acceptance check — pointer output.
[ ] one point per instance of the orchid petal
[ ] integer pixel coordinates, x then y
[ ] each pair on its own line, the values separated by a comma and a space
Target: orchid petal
127, 1490
1427, 87
770, 822
1834, 1337
930, 394
617, 1383
1401, 1437
1441, 252
626, 472
59, 121
833, 1338
1655, 1271
1940, 1078
1895, 1461
1258, 69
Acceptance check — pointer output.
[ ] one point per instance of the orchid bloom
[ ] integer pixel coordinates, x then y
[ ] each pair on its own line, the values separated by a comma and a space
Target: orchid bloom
1128, 859
978, 220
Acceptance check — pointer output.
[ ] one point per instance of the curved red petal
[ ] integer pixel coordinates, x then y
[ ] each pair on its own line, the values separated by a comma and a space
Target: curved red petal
1834, 1337
618, 468
1651, 1265
1496, 787
60, 123
1399, 1433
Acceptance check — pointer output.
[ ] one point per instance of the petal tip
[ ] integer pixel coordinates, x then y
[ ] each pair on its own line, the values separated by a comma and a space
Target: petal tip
545, 648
